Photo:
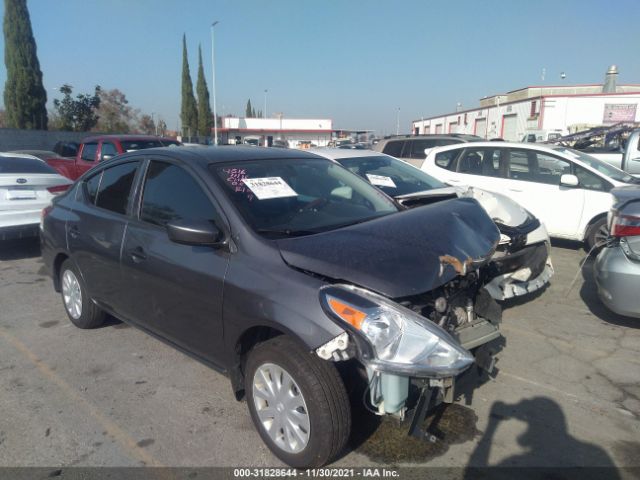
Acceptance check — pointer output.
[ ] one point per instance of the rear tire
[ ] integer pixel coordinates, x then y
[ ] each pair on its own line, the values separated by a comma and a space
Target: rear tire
306, 398
596, 234
82, 312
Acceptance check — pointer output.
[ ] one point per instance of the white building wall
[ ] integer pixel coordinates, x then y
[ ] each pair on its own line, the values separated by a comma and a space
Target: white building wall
559, 112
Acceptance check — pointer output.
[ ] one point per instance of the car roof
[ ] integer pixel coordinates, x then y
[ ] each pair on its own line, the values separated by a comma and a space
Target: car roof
336, 153
531, 146
95, 138
223, 154
20, 155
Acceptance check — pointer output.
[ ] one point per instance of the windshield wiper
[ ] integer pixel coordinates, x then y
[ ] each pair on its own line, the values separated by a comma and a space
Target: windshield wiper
285, 232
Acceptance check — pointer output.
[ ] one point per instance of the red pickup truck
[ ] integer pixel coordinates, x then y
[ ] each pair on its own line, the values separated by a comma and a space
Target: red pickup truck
96, 149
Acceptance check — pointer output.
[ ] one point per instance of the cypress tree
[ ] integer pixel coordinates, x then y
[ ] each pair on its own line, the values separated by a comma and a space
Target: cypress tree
205, 117
25, 98
189, 111
248, 111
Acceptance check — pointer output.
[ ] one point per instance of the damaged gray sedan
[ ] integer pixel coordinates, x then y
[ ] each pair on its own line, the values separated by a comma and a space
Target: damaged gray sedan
283, 270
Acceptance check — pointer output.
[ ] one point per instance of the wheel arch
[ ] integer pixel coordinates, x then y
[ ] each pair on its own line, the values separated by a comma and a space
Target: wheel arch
590, 223
243, 345
57, 264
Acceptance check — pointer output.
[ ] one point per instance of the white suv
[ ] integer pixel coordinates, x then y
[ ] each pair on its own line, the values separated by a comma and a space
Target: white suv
566, 189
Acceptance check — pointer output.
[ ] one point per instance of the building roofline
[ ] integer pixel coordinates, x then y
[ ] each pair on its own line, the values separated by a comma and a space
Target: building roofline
526, 99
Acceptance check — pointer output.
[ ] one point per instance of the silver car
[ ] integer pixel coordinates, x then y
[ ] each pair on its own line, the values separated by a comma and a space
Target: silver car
617, 268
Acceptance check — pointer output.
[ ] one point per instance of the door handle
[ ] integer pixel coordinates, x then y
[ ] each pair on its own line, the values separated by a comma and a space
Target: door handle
453, 180
74, 231
515, 190
137, 254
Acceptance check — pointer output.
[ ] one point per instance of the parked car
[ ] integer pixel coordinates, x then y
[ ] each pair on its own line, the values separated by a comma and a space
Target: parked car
617, 267
258, 262
97, 149
539, 136
65, 166
27, 185
521, 264
411, 148
566, 189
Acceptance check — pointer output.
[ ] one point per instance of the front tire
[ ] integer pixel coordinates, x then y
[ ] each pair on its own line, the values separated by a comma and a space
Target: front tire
298, 403
82, 312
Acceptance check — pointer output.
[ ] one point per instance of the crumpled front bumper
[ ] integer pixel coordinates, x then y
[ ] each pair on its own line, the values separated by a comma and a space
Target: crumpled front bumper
521, 272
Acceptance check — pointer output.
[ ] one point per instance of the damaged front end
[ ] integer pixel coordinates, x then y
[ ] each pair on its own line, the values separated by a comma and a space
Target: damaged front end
413, 348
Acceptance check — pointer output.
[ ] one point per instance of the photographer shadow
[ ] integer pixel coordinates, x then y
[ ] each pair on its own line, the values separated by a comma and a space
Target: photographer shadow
546, 446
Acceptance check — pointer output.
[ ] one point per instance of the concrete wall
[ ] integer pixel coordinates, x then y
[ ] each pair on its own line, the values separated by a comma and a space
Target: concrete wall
14, 139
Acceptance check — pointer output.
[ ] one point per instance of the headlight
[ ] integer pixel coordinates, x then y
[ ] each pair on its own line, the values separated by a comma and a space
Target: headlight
401, 341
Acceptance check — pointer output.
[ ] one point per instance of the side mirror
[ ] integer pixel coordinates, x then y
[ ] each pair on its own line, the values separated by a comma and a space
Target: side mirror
195, 232
568, 180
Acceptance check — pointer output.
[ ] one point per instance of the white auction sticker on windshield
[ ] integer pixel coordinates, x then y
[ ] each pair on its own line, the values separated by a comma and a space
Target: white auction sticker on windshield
269, 187
381, 180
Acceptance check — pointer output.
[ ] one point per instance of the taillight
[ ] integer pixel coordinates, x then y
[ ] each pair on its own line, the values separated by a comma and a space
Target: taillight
625, 226
58, 189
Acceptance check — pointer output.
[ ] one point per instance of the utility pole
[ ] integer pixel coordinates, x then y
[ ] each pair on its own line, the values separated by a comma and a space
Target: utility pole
398, 122
264, 115
213, 84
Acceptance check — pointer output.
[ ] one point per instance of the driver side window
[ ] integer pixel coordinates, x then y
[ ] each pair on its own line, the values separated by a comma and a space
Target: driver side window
161, 204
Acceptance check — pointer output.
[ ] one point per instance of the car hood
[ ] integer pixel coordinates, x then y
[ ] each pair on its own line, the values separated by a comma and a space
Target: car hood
401, 254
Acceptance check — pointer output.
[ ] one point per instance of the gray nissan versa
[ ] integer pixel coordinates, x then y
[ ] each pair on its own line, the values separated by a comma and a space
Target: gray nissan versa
293, 276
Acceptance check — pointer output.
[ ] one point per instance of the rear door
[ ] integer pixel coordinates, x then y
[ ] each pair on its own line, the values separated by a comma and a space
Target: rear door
172, 289
95, 234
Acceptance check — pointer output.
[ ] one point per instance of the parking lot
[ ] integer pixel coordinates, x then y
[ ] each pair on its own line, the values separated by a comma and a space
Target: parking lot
567, 391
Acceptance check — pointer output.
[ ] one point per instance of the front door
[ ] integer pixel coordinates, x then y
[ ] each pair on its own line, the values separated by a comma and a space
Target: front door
174, 290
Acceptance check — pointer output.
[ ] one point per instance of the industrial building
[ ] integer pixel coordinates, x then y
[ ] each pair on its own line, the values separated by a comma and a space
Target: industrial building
564, 108
292, 132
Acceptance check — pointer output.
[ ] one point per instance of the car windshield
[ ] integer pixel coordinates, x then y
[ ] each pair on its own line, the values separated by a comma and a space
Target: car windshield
601, 166
299, 196
24, 165
394, 177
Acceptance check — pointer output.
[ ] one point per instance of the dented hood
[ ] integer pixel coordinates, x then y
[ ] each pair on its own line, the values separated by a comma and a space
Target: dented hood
402, 254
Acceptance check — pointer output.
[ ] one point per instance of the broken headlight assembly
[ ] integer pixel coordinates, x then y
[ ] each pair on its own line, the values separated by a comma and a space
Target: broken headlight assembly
392, 338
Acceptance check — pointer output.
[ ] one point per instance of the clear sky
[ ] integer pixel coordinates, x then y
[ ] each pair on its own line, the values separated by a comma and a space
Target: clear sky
354, 61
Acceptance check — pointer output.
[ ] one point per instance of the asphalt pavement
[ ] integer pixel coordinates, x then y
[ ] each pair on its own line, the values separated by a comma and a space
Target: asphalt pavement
567, 391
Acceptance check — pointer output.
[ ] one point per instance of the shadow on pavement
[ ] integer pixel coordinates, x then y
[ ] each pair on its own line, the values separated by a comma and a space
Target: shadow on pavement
589, 295
19, 249
546, 445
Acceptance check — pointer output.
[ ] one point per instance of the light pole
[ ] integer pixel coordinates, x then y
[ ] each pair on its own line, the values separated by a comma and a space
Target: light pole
213, 84
264, 115
398, 122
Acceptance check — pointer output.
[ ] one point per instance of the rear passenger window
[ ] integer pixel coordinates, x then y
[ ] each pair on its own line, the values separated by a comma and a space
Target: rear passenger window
480, 161
115, 187
92, 185
418, 147
171, 193
89, 152
393, 148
